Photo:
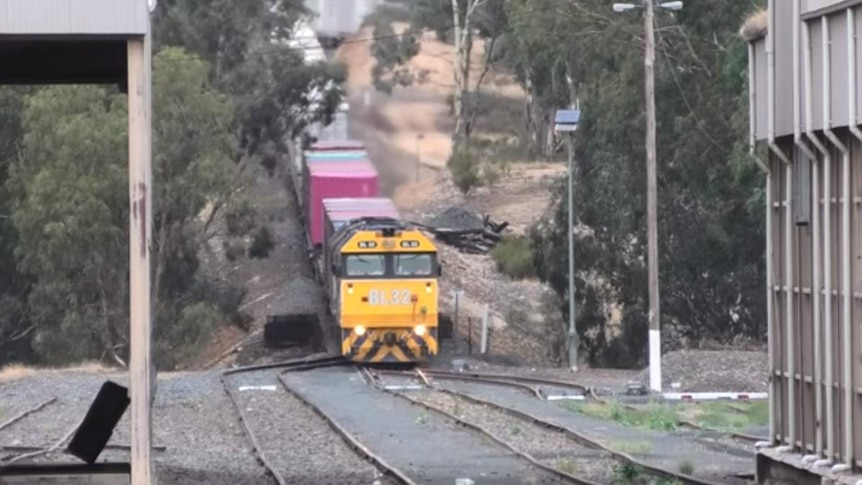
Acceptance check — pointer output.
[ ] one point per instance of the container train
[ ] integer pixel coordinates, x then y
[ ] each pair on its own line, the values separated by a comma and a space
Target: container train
380, 273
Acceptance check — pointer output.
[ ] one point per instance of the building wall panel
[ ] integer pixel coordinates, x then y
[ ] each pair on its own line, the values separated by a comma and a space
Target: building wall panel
815, 30
783, 68
838, 41
796, 284
760, 84
813, 5
69, 17
857, 12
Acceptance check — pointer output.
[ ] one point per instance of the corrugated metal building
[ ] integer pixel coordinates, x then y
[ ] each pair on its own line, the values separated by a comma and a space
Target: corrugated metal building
805, 94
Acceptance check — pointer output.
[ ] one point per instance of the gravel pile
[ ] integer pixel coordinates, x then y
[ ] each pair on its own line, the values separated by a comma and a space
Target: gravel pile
457, 218
713, 371
548, 447
297, 442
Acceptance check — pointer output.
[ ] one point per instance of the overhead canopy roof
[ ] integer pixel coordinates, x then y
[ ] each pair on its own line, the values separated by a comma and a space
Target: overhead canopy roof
68, 41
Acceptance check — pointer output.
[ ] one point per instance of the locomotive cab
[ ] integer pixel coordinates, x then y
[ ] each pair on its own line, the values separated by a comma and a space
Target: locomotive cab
383, 289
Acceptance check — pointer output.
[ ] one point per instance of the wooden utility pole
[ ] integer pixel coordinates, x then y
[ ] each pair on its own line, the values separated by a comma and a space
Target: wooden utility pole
141, 377
652, 225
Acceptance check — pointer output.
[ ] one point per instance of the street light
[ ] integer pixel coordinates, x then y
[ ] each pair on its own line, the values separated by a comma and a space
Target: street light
652, 204
566, 121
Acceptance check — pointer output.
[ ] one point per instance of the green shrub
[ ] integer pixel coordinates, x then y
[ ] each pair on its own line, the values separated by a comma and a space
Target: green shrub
240, 218
491, 174
261, 244
514, 257
233, 249
464, 169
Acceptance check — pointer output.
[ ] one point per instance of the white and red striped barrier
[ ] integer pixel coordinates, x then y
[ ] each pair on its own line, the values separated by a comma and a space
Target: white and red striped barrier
715, 396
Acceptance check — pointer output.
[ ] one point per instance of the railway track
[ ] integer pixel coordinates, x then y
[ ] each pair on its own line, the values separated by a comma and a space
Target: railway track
351, 440
622, 458
296, 365
533, 385
744, 438
373, 379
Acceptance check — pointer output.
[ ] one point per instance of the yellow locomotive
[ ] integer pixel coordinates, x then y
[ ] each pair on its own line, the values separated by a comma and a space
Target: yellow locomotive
381, 277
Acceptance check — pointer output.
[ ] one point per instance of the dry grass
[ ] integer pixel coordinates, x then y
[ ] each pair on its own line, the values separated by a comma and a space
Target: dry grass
755, 26
13, 372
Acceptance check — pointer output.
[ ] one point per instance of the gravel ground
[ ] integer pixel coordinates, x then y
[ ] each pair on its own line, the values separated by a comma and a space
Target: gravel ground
422, 444
194, 420
189, 409
300, 444
548, 447
714, 371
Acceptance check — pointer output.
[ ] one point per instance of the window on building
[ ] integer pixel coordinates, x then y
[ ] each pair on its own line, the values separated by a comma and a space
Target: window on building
801, 195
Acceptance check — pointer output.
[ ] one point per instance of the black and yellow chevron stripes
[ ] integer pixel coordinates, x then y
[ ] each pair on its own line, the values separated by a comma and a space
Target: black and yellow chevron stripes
388, 345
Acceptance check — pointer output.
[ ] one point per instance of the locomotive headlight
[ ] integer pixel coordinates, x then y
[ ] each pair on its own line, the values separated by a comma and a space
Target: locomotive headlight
359, 330
420, 330
349, 289
428, 288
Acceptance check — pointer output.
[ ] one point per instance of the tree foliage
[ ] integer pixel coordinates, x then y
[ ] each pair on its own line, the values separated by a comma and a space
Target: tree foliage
229, 89
248, 46
69, 200
710, 227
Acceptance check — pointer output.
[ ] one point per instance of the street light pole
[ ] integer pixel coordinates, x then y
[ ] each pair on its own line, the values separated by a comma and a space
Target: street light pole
652, 204
573, 335
566, 122
652, 224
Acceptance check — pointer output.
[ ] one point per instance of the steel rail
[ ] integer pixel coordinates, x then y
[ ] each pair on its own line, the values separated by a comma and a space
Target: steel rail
348, 438
24, 414
303, 363
690, 424
482, 431
733, 434
467, 378
290, 365
515, 378
576, 436
258, 450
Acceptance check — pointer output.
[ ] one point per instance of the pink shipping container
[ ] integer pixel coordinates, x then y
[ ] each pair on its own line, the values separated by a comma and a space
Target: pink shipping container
337, 145
333, 161
335, 180
338, 212
334, 155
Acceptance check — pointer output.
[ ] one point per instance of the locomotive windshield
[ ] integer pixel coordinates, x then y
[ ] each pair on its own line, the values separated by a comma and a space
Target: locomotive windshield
366, 265
398, 265
413, 265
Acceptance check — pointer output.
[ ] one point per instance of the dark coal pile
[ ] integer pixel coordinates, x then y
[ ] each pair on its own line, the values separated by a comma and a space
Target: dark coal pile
457, 218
